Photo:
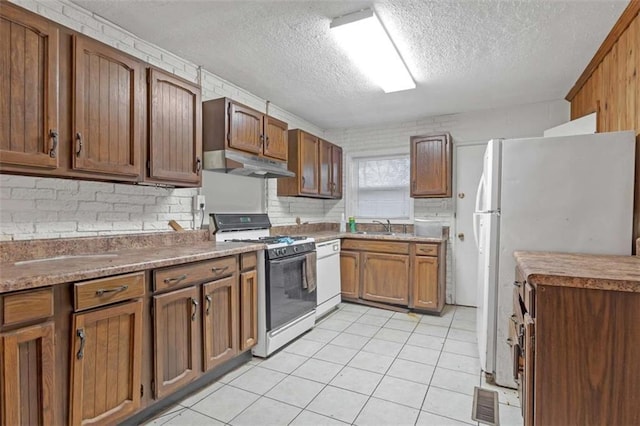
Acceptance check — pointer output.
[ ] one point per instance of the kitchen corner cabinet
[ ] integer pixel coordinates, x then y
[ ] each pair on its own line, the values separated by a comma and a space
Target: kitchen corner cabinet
574, 339
317, 165
27, 358
392, 272
29, 133
175, 136
107, 109
229, 124
106, 349
431, 166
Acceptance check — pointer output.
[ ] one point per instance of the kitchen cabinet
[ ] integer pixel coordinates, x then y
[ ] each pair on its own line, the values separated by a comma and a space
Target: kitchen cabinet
385, 278
428, 277
107, 106
29, 134
209, 313
574, 340
175, 135
248, 309
230, 125
27, 358
106, 349
350, 274
394, 272
317, 165
431, 166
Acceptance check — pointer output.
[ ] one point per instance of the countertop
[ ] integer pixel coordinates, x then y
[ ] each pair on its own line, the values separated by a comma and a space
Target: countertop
39, 273
331, 235
602, 272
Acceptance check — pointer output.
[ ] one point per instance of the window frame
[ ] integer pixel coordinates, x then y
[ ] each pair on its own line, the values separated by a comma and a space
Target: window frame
351, 196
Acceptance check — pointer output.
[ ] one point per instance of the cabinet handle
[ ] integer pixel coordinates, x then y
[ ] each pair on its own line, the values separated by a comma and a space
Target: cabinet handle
302, 178
53, 134
208, 297
219, 271
78, 144
175, 280
194, 310
102, 291
517, 284
267, 141
198, 165
514, 318
80, 334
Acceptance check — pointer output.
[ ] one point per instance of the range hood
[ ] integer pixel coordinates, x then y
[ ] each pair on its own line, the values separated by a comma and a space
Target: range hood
239, 163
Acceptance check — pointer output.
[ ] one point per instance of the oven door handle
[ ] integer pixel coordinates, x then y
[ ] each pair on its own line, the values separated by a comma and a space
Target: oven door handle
295, 258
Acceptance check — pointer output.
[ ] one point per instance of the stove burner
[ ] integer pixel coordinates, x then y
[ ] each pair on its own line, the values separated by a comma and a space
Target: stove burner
270, 240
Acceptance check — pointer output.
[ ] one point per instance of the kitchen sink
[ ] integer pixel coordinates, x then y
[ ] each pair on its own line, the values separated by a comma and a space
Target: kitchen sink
375, 233
68, 257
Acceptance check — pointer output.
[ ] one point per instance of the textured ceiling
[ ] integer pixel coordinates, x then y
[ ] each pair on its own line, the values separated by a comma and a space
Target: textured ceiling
463, 54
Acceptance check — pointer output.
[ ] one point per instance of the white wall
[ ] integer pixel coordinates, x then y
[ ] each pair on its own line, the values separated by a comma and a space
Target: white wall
32, 207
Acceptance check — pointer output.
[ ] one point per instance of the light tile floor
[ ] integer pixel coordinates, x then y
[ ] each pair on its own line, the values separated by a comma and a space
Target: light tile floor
362, 366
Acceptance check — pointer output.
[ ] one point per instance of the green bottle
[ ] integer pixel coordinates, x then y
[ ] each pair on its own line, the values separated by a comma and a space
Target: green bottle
352, 224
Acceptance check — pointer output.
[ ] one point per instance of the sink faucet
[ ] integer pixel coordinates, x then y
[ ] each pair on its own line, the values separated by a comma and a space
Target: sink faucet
387, 226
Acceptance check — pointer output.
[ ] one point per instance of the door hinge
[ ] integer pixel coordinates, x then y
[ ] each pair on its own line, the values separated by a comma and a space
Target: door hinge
141, 391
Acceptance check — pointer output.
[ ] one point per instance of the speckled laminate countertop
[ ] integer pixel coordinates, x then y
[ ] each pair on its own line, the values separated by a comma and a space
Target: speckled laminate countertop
602, 272
331, 235
82, 266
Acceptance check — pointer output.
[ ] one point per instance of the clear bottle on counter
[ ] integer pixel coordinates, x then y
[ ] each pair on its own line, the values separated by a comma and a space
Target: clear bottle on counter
343, 224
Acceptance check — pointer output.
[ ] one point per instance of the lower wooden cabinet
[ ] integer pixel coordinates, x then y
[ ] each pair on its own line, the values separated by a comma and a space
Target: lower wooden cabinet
350, 274
385, 278
175, 331
106, 359
27, 377
248, 310
220, 321
394, 272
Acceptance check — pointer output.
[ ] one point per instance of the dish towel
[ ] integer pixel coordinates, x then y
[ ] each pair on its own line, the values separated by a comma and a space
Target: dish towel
310, 272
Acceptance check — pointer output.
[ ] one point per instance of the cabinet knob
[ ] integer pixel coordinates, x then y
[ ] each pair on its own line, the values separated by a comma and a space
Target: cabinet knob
461, 236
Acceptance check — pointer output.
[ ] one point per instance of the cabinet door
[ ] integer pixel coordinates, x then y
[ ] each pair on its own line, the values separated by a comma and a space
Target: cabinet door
28, 376
350, 274
106, 360
175, 130
248, 310
220, 321
277, 142
336, 172
431, 166
425, 282
245, 129
106, 102
309, 147
175, 328
385, 278
325, 166
28, 89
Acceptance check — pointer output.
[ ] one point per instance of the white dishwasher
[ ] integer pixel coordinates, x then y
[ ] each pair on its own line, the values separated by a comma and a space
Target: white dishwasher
328, 276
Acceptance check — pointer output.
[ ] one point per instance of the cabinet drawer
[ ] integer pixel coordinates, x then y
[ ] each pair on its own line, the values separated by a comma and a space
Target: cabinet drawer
27, 306
376, 246
89, 294
192, 273
426, 249
248, 261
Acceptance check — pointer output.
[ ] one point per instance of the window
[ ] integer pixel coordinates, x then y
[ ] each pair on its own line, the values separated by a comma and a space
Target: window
381, 187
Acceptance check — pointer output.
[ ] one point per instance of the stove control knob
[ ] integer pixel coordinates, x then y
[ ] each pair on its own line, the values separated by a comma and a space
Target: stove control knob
278, 252
295, 249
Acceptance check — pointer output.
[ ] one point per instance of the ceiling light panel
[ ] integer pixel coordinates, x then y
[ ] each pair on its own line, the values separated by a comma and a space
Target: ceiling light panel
367, 43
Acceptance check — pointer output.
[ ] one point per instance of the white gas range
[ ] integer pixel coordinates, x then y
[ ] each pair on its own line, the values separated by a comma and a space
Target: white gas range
287, 293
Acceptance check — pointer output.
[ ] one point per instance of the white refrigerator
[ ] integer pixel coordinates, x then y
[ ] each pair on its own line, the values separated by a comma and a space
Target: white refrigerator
567, 194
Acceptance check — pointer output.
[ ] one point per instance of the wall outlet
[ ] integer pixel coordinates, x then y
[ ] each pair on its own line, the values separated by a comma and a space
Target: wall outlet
198, 202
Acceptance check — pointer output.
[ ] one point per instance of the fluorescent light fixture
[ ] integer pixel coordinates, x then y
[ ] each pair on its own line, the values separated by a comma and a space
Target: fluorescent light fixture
364, 38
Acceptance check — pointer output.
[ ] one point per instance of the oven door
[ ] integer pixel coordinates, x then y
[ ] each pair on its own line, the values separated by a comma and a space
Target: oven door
286, 297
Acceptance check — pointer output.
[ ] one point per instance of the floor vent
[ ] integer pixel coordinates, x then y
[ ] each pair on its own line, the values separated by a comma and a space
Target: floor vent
485, 406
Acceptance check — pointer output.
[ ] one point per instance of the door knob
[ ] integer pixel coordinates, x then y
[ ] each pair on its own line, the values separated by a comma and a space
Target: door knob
461, 236
461, 195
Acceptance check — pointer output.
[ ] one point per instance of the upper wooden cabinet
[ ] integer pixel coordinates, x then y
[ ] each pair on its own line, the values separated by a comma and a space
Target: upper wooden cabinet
106, 105
175, 136
229, 124
29, 134
317, 165
431, 166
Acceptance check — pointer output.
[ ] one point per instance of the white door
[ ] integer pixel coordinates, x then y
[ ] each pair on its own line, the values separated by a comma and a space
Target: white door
468, 170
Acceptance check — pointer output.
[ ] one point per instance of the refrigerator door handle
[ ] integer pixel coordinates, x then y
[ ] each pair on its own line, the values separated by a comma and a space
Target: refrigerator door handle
479, 193
476, 217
